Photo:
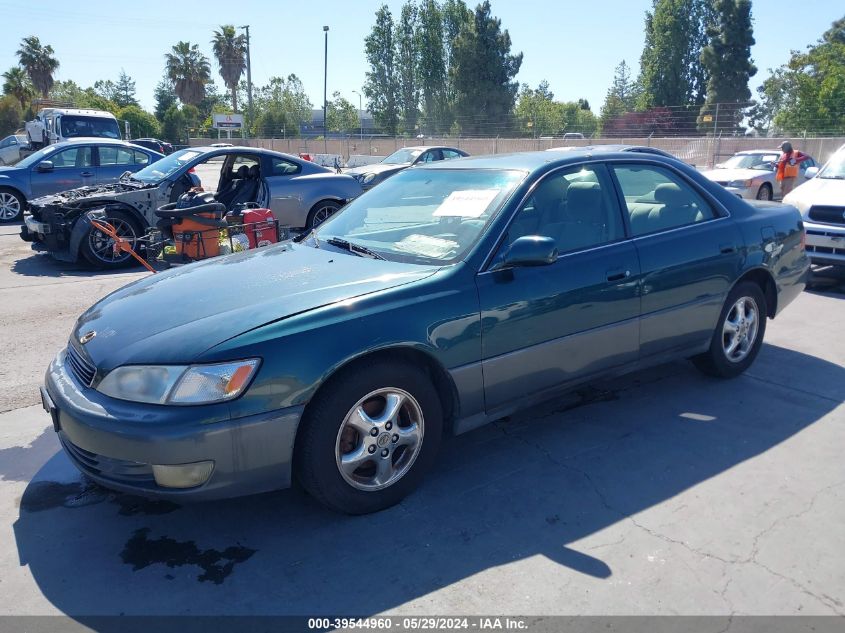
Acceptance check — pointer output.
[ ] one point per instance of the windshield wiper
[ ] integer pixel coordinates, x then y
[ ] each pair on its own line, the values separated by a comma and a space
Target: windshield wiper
357, 249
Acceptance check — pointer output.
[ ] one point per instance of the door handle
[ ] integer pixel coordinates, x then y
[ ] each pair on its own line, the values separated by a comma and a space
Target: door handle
618, 274
86, 174
727, 248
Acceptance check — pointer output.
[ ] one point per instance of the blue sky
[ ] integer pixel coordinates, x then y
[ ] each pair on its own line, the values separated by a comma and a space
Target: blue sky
573, 45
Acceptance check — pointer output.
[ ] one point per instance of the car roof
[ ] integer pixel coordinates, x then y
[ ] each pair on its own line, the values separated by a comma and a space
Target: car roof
425, 147
531, 161
759, 151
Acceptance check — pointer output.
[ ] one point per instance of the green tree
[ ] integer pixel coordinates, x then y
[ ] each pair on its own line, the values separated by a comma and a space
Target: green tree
11, 114
457, 18
537, 113
621, 96
727, 59
142, 124
483, 73
407, 61
106, 89
39, 62
281, 105
230, 52
577, 118
124, 91
342, 116
431, 70
188, 70
164, 96
173, 125
17, 84
382, 84
671, 72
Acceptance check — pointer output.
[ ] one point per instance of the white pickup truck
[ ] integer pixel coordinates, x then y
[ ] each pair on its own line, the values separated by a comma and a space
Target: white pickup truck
53, 125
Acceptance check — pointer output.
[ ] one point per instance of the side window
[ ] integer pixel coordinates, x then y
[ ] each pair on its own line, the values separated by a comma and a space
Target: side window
431, 156
574, 206
116, 156
73, 157
657, 200
282, 167
807, 163
242, 161
141, 158
5, 142
449, 154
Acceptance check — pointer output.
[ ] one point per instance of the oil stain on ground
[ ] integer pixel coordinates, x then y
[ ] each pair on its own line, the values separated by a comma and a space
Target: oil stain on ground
141, 551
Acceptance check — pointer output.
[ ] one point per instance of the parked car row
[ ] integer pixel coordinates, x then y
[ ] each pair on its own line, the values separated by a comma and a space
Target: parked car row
751, 174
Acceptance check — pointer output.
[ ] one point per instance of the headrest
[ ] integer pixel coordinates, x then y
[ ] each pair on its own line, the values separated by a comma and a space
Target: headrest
670, 194
253, 171
583, 200
243, 172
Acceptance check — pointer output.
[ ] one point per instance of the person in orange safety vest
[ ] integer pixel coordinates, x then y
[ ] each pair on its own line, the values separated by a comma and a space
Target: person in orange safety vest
788, 166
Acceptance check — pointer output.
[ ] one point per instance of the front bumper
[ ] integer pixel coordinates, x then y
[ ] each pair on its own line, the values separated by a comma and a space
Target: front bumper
116, 443
748, 193
825, 243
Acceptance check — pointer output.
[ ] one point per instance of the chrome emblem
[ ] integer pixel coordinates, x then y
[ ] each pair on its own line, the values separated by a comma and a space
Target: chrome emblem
87, 337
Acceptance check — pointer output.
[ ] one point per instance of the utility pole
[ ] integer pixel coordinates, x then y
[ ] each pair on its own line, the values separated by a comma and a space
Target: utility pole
325, 92
360, 113
248, 83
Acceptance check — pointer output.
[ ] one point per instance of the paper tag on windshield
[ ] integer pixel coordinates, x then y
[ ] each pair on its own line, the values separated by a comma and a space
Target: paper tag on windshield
470, 203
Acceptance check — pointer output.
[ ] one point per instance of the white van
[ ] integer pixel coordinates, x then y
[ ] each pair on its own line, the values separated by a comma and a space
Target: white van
54, 125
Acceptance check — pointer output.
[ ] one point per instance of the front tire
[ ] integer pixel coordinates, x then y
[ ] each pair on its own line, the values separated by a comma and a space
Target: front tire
97, 247
738, 335
12, 205
321, 212
369, 437
765, 192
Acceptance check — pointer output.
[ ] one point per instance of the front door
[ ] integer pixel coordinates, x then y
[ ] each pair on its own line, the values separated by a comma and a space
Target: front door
548, 325
690, 253
72, 167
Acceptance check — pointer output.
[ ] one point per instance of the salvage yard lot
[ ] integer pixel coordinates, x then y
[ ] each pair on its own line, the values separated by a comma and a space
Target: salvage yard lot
664, 492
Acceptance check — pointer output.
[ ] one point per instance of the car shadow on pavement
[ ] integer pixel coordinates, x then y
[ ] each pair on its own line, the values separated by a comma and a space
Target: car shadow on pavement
537, 484
43, 265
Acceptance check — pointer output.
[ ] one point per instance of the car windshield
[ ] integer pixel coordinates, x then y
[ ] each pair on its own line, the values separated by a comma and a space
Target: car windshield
764, 162
37, 157
161, 169
401, 156
835, 167
421, 216
76, 126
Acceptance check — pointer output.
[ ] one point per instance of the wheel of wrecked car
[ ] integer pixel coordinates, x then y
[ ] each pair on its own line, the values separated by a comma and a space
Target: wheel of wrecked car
369, 436
765, 192
98, 248
12, 205
321, 212
739, 333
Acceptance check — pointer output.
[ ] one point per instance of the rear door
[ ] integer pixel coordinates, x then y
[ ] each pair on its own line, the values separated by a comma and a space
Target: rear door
690, 252
114, 160
289, 196
547, 325
72, 167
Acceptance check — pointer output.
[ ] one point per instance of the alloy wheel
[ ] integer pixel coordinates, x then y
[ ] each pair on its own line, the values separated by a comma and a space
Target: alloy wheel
380, 439
102, 246
10, 206
322, 214
739, 332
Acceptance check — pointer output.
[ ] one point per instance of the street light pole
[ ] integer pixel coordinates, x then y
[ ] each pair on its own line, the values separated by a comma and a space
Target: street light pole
325, 92
248, 81
360, 113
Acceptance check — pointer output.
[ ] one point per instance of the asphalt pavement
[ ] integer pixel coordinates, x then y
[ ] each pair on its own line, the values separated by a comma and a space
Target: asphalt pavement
665, 492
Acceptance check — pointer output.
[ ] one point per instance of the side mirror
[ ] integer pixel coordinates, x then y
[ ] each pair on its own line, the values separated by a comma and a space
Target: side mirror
811, 172
45, 165
531, 250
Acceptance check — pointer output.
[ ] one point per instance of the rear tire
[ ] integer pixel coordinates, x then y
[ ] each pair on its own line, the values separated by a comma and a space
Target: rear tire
96, 246
321, 212
738, 335
12, 205
352, 454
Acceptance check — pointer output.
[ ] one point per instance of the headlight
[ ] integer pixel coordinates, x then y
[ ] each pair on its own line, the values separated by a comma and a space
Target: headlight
368, 178
179, 384
740, 183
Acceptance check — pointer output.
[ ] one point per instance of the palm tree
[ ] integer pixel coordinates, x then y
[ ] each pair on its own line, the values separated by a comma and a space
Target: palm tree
16, 83
189, 71
39, 63
230, 51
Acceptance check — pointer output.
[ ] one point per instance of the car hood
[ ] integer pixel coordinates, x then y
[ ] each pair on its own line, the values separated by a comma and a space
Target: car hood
377, 168
725, 175
820, 191
175, 316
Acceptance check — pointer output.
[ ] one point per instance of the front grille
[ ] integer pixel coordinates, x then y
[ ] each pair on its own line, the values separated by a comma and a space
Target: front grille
828, 214
82, 369
108, 467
